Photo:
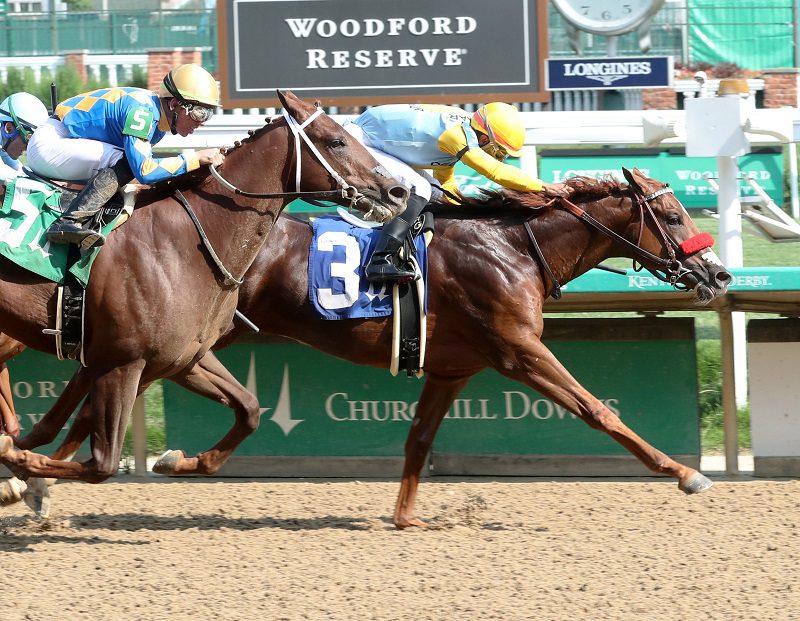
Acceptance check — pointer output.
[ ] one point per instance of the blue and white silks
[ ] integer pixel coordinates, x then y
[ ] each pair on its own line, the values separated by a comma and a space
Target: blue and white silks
336, 284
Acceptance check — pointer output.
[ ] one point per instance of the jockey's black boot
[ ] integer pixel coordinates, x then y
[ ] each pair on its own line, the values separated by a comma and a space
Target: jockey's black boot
77, 224
383, 264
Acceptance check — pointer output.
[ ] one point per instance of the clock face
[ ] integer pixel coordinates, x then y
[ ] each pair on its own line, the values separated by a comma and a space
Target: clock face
607, 17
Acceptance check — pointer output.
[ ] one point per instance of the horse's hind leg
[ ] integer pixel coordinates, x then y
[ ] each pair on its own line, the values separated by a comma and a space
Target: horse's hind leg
437, 396
536, 366
211, 379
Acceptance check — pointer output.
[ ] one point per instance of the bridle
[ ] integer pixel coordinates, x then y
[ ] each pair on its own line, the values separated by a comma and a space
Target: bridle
346, 191
672, 268
669, 270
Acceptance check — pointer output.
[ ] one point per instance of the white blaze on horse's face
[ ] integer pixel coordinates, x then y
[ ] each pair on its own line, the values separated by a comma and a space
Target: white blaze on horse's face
711, 257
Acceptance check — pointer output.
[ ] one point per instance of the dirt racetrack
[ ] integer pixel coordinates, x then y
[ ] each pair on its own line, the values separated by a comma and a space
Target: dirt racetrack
506, 549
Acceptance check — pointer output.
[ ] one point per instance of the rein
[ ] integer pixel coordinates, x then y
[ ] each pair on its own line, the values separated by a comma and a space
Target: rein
345, 191
229, 279
672, 268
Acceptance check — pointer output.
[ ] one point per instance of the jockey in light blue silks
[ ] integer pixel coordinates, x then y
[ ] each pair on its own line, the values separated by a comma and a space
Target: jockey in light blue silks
409, 138
107, 136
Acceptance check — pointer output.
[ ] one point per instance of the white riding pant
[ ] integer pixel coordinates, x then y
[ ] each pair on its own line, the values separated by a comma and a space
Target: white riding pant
418, 180
53, 153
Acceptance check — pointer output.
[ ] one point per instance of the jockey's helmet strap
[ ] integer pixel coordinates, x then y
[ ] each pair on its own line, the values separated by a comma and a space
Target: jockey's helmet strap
697, 243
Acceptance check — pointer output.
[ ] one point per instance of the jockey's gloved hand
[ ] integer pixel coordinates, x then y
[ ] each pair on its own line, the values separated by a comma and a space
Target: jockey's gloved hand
554, 190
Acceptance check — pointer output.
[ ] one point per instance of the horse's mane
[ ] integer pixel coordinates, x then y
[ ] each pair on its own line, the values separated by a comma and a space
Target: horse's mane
163, 189
500, 203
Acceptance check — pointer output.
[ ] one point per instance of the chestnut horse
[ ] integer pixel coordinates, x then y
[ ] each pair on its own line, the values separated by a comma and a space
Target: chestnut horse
486, 291
159, 296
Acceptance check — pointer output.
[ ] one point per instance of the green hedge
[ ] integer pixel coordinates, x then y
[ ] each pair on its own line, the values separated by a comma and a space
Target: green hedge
67, 80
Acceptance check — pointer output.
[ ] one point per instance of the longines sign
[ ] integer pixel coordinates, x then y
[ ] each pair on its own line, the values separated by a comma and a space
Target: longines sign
352, 52
609, 73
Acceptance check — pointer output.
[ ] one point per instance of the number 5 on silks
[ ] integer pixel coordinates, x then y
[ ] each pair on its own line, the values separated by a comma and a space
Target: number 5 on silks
138, 123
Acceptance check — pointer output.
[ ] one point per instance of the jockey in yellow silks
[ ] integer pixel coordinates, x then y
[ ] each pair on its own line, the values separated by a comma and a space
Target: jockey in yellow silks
408, 139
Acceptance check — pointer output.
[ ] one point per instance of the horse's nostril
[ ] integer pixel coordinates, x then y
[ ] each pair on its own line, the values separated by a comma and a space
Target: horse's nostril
399, 192
724, 278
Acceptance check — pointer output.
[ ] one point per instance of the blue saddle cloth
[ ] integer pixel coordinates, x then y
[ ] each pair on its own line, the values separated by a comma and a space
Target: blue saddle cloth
336, 284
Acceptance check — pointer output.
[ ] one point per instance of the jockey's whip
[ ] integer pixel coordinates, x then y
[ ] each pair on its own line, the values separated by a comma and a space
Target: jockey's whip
53, 97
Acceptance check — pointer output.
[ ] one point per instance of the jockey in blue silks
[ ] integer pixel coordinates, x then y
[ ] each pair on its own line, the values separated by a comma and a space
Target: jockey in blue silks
107, 136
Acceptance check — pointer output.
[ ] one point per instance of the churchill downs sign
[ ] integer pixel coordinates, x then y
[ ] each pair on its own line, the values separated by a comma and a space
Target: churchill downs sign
352, 52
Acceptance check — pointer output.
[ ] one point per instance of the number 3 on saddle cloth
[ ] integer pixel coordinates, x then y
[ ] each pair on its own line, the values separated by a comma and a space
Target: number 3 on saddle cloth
29, 208
340, 246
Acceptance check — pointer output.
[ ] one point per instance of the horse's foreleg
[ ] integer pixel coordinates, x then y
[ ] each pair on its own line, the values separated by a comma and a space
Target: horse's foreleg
211, 379
9, 423
112, 397
51, 424
536, 366
36, 496
437, 396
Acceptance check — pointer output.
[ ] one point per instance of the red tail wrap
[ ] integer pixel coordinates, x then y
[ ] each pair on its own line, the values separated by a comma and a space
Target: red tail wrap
697, 243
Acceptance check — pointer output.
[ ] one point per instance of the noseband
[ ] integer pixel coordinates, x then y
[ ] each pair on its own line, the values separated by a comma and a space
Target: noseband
672, 267
346, 191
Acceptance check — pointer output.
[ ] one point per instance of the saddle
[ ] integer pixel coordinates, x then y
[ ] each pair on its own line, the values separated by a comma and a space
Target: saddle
68, 329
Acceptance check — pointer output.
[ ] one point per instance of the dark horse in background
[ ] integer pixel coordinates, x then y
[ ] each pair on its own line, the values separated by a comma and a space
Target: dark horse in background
486, 291
158, 300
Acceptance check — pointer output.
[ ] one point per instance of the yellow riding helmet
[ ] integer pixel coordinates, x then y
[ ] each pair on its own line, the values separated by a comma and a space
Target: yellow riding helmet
503, 124
191, 84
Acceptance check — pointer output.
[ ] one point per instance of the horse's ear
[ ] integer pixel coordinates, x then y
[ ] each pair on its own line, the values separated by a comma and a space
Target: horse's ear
298, 108
282, 96
631, 181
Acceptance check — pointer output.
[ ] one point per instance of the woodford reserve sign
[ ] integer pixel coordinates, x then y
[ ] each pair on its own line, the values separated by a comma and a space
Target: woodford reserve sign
362, 52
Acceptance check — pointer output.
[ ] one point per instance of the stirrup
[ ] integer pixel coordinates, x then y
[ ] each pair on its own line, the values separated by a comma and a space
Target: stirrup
93, 239
387, 271
71, 233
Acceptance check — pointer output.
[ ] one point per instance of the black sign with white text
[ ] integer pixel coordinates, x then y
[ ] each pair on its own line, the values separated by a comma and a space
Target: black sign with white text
373, 51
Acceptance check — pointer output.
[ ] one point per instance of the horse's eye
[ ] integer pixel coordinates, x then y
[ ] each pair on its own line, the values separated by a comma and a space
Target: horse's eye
337, 143
674, 220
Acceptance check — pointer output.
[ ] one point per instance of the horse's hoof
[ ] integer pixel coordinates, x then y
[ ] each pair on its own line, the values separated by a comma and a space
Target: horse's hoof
11, 491
168, 462
409, 523
695, 484
37, 496
6, 444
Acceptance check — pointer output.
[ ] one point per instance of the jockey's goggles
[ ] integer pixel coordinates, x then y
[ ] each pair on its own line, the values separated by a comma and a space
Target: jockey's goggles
496, 151
24, 130
197, 113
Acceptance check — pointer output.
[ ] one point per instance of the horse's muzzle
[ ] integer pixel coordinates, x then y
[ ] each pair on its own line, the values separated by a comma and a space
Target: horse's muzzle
383, 206
713, 286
